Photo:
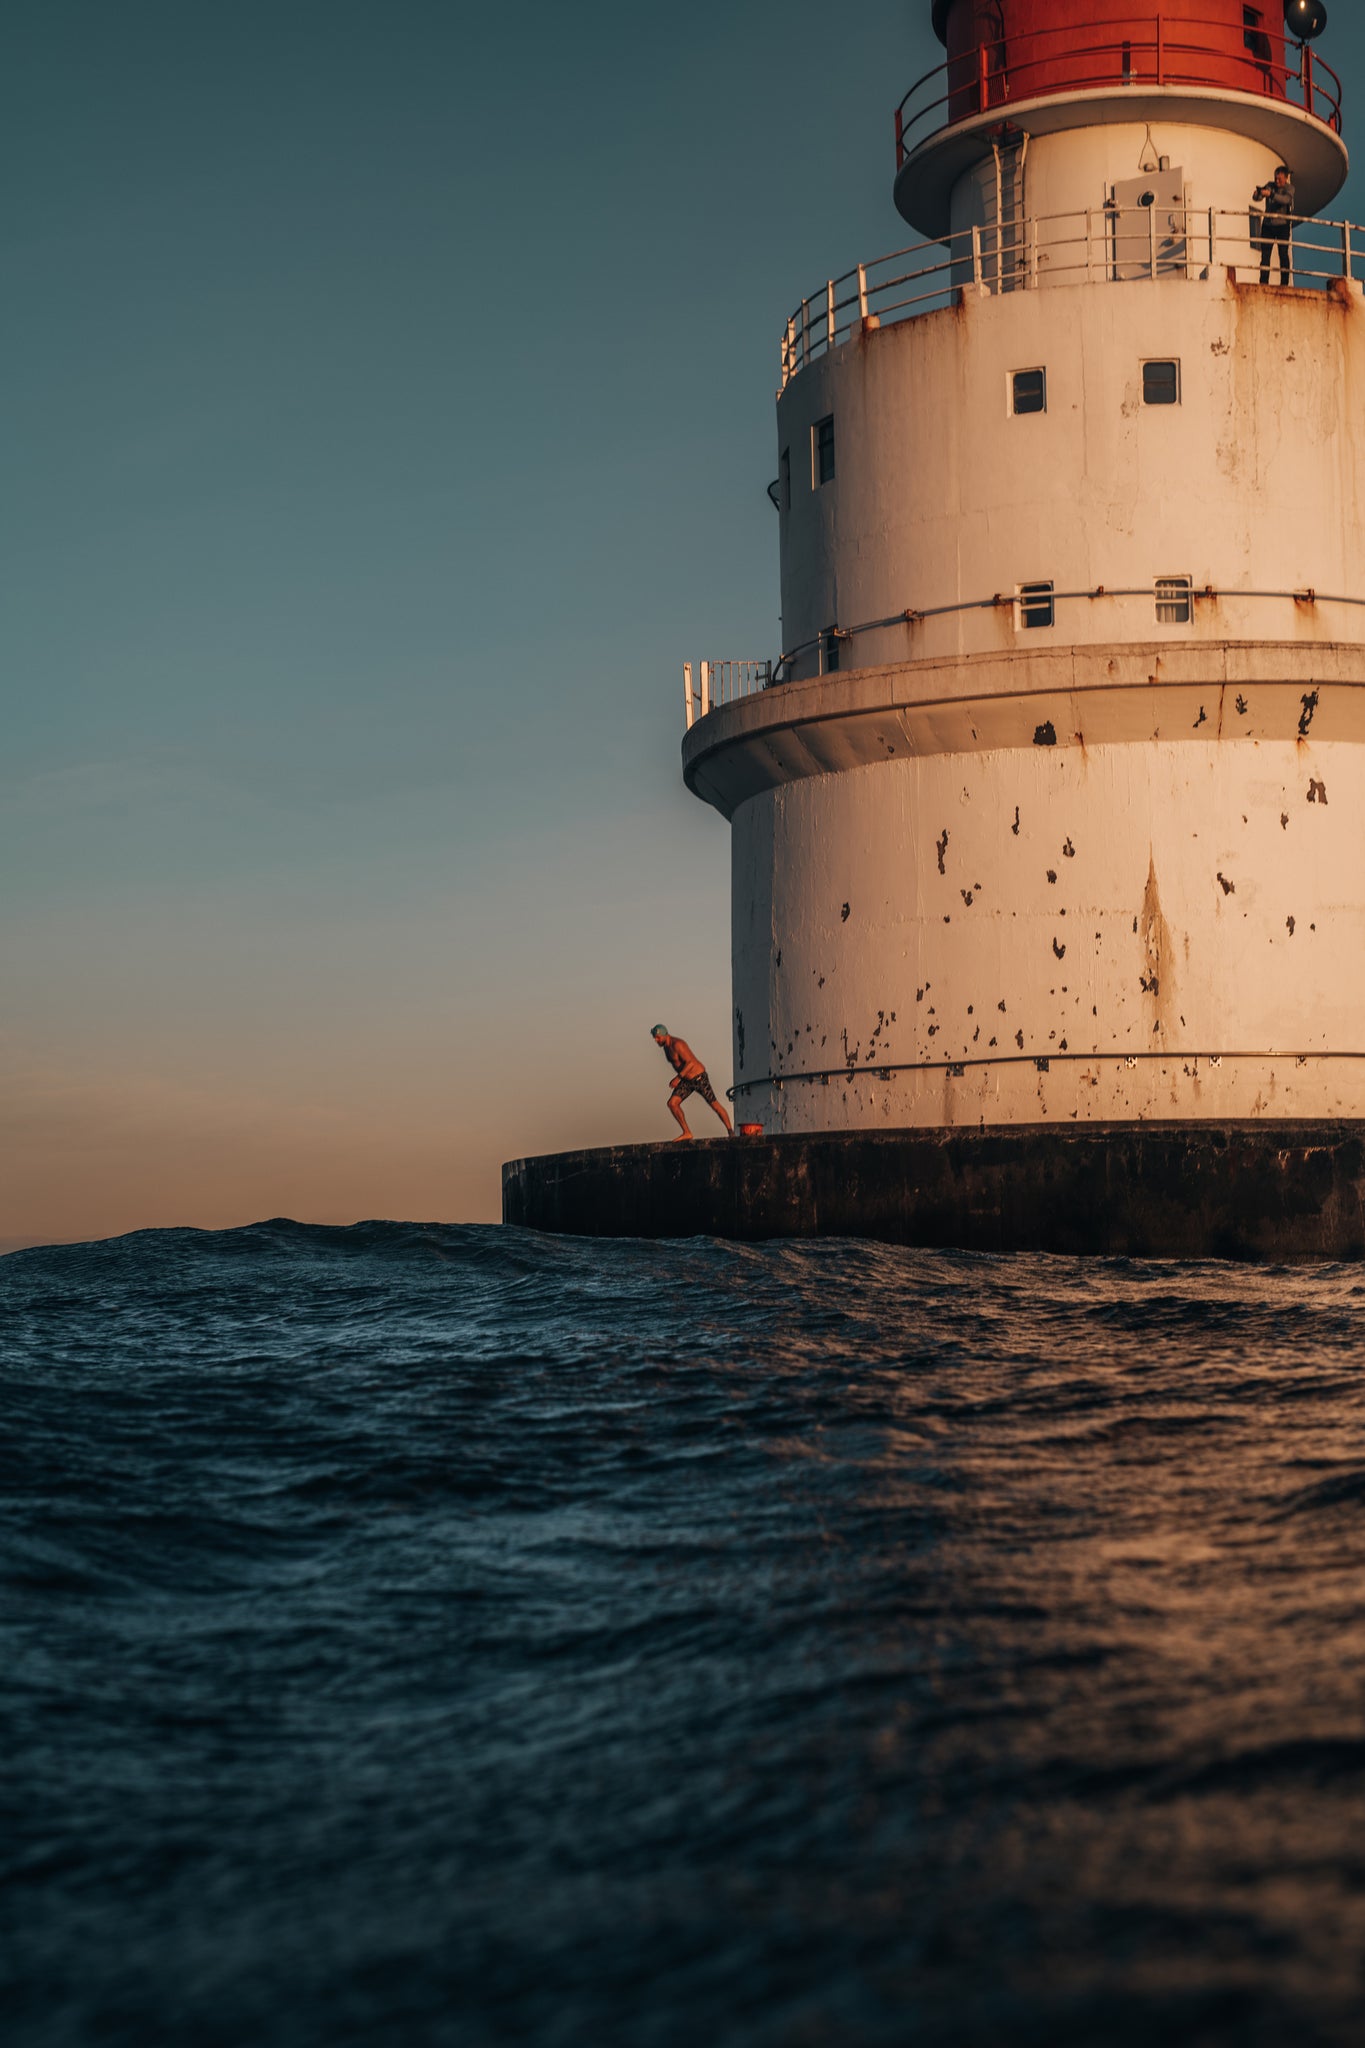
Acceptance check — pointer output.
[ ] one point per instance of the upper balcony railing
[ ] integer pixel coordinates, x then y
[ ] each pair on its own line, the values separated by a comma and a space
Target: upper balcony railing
722, 682
1142, 50
1107, 244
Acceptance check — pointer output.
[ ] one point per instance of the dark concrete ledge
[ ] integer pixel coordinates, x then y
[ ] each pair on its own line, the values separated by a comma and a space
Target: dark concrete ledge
1253, 1190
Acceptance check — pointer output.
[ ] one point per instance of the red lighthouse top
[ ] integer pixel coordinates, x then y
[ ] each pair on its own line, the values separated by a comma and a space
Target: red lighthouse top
1009, 50
1040, 67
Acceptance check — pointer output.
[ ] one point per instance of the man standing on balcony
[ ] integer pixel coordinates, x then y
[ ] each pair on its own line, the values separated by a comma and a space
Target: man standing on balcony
1277, 224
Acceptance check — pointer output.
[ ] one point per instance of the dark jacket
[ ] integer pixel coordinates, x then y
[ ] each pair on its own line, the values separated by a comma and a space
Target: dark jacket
1276, 198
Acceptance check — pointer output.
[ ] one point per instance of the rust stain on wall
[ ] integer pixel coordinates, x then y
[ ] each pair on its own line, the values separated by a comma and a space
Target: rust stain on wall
1157, 977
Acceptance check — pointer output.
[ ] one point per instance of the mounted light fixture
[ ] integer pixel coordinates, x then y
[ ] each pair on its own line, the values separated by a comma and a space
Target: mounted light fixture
1305, 18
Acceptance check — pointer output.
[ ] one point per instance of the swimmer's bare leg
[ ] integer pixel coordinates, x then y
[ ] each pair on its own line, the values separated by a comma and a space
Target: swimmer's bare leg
675, 1106
724, 1116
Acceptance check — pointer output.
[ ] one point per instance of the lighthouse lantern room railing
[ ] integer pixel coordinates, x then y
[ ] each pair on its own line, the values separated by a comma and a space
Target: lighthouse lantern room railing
1141, 50
1106, 244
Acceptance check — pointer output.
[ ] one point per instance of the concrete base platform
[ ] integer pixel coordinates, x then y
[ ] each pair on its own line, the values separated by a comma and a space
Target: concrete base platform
1256, 1191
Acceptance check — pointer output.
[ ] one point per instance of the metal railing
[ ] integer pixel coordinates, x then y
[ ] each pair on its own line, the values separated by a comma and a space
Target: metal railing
1143, 49
1174, 601
1029, 602
722, 682
1104, 244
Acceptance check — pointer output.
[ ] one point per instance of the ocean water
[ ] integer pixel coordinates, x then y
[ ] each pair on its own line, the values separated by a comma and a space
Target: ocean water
417, 1634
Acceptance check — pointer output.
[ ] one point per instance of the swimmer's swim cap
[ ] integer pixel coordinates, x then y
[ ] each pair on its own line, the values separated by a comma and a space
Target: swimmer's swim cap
659, 1031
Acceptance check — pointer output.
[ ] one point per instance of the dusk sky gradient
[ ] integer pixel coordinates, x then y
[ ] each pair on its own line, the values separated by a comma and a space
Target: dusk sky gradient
388, 413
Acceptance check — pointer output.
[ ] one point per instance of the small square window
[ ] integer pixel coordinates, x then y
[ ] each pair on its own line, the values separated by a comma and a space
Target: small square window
1028, 391
822, 451
1173, 600
1035, 604
1161, 383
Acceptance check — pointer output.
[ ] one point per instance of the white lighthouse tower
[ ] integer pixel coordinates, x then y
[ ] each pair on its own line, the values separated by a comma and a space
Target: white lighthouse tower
1053, 809
1048, 826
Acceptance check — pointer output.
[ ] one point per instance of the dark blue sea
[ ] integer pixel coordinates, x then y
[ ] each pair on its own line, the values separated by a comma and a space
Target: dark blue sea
415, 1634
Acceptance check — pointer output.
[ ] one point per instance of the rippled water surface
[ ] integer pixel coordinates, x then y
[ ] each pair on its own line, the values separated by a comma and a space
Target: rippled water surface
419, 1634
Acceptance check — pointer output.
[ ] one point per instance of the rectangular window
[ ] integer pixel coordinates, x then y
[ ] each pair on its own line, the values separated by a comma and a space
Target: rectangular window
1035, 604
822, 451
831, 650
1254, 37
1161, 383
1173, 600
1028, 391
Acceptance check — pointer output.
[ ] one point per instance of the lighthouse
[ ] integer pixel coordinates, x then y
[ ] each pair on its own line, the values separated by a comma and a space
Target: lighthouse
1048, 822
1054, 807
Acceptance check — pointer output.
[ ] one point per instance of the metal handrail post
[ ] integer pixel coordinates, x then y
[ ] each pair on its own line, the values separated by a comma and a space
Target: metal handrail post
1346, 250
1213, 238
829, 314
976, 256
687, 694
805, 334
1033, 252
862, 291
982, 77
705, 688
1151, 236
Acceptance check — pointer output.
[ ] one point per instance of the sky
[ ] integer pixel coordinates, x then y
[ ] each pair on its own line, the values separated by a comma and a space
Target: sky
387, 405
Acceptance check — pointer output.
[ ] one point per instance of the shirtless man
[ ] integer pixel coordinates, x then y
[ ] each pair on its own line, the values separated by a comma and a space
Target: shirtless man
692, 1080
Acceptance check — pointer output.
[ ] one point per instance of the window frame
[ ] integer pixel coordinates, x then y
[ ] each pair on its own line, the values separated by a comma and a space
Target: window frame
1018, 411
1160, 362
1028, 610
818, 479
1255, 37
1178, 590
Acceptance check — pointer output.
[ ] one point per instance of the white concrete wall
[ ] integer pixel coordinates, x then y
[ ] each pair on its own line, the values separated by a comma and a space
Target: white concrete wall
942, 497
1176, 929
1077, 168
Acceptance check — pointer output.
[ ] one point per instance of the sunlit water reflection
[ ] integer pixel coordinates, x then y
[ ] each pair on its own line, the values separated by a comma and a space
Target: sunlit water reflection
449, 1635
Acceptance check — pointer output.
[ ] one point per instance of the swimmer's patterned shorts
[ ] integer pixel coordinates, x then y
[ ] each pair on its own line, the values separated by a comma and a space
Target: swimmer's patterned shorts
701, 1086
